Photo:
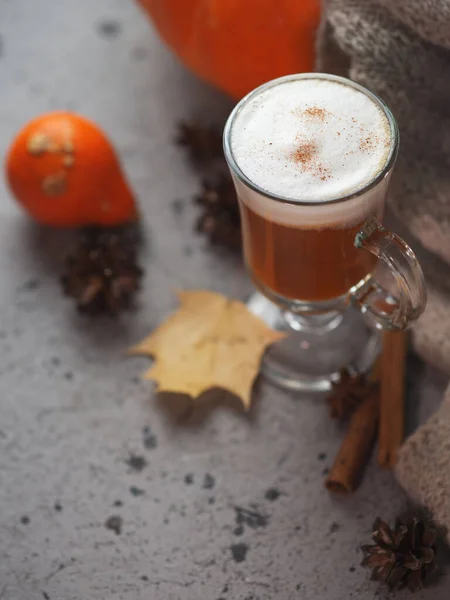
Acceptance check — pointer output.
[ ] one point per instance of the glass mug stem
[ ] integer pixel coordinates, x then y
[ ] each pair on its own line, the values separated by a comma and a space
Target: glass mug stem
320, 324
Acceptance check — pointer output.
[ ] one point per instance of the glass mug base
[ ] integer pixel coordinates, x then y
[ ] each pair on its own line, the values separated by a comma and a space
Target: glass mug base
310, 359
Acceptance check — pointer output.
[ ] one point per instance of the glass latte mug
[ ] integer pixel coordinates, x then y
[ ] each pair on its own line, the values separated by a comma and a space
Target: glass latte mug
311, 157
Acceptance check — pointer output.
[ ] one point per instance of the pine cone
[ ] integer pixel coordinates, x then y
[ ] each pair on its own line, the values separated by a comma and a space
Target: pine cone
220, 220
203, 143
402, 557
103, 275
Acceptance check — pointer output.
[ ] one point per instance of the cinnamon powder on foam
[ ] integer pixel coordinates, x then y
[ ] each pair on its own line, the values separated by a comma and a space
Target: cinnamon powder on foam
315, 113
306, 155
306, 152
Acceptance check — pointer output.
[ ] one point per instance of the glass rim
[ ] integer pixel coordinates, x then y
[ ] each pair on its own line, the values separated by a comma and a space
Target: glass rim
236, 170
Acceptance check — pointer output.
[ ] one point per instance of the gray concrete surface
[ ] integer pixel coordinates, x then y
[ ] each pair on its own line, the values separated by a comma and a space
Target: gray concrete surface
73, 410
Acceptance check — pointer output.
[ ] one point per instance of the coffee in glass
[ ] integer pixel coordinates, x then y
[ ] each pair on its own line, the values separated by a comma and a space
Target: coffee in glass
311, 157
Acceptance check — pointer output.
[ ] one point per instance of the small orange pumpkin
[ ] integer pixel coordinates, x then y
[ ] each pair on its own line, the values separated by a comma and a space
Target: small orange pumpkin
239, 44
64, 171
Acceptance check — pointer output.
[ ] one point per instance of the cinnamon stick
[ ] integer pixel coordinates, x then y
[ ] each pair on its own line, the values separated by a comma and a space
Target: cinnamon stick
375, 373
392, 400
351, 458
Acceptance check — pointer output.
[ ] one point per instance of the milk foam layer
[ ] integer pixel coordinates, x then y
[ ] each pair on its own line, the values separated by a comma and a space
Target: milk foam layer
311, 139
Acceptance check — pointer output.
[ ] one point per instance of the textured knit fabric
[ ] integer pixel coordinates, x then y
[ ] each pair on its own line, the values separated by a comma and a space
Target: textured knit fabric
401, 50
423, 468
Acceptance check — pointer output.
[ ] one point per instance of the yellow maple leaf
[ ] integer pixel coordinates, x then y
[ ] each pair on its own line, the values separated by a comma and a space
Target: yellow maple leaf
210, 342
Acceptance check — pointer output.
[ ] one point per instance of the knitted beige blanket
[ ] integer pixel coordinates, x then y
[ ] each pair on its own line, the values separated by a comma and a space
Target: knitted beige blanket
401, 50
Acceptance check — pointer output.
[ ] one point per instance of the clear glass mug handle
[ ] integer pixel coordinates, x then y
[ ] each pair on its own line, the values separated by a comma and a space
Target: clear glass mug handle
401, 308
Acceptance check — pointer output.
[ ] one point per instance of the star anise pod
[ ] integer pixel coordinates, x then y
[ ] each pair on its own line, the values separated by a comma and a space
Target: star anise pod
403, 556
220, 220
347, 394
103, 275
203, 143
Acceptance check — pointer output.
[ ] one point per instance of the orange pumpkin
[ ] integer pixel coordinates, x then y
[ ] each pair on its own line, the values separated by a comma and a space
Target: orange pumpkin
238, 44
64, 171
